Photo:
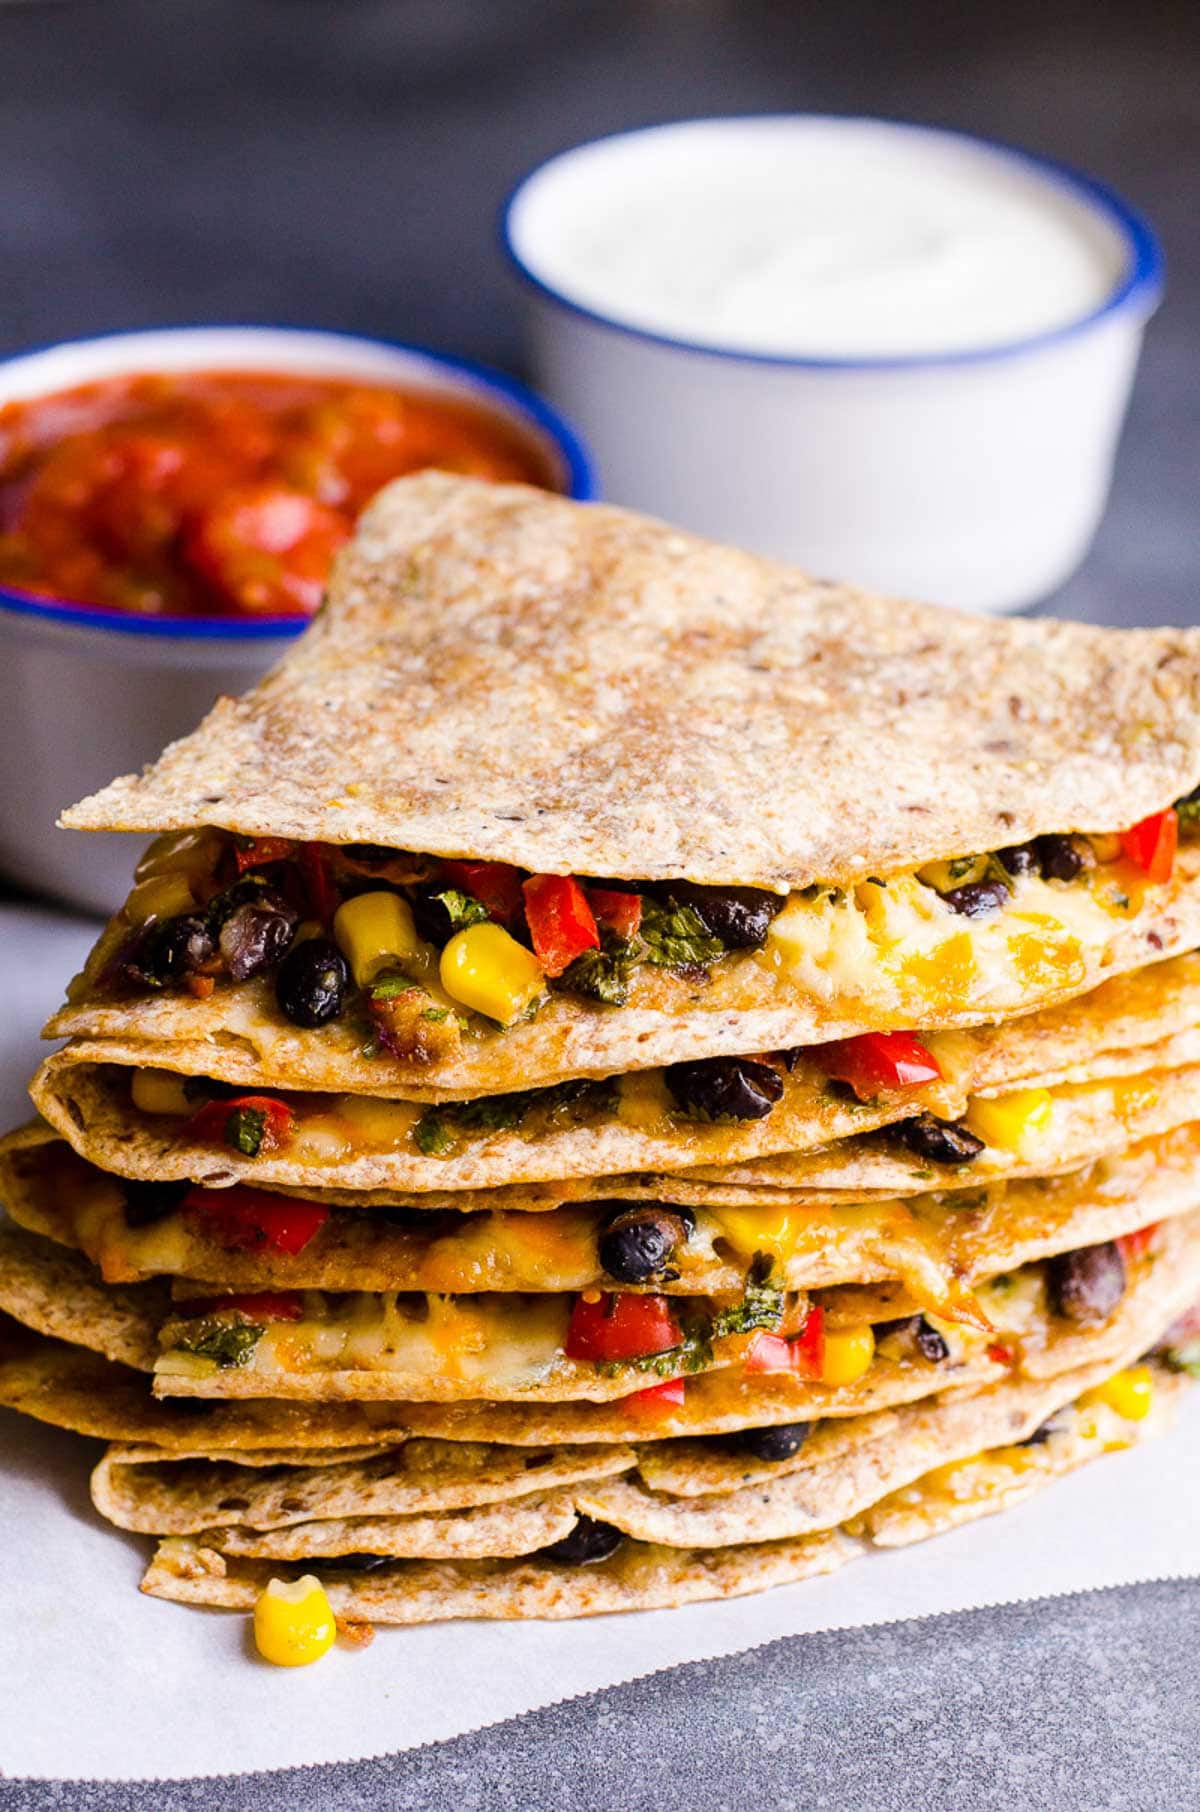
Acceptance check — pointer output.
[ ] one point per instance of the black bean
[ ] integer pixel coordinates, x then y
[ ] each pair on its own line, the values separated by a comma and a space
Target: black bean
915, 1330
1059, 858
588, 1542
639, 1239
941, 1141
774, 1444
148, 1202
739, 916
1041, 1435
183, 947
1019, 859
255, 936
930, 1344
978, 899
725, 1088
312, 982
1086, 1286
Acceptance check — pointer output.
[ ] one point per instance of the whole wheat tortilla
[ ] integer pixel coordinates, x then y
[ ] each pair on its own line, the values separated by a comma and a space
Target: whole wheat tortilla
956, 1494
89, 1106
137, 1487
638, 1576
934, 1244
57, 1293
355, 1509
500, 673
239, 1035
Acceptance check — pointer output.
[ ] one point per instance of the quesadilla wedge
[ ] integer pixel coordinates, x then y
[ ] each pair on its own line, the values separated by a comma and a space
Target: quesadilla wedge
936, 1244
515, 714
377, 1507
599, 1570
299, 1142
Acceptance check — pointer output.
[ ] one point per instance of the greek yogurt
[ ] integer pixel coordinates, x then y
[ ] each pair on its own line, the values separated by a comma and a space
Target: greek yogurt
818, 238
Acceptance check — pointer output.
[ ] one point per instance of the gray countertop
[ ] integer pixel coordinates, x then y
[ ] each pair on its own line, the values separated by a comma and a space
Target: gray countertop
340, 162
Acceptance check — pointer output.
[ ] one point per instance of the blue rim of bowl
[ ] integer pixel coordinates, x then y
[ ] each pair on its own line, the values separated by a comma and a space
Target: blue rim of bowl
579, 471
1142, 286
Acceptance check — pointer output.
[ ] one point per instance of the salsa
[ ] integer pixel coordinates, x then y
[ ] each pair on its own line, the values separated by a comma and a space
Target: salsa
218, 493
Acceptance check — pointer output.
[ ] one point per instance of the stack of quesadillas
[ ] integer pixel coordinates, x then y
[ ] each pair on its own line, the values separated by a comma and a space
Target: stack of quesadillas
627, 1075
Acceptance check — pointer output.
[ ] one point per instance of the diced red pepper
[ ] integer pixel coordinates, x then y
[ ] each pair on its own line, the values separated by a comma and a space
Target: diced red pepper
217, 1121
620, 913
1136, 1245
257, 852
252, 1220
658, 1401
318, 882
560, 921
496, 885
269, 1305
1151, 844
878, 1061
621, 1327
803, 1354
1000, 1354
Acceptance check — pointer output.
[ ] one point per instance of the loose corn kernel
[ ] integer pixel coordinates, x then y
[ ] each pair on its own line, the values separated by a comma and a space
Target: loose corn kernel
751, 1230
293, 1624
1013, 1121
160, 1092
1130, 1393
484, 968
375, 931
163, 896
848, 1354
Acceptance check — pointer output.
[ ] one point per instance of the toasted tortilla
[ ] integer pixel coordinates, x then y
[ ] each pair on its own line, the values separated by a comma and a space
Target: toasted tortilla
936, 1244
57, 1293
356, 1508
960, 1492
501, 673
636, 1578
643, 1576
137, 1488
90, 1106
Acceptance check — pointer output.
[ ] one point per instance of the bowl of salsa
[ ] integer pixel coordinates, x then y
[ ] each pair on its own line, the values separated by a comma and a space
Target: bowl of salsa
170, 505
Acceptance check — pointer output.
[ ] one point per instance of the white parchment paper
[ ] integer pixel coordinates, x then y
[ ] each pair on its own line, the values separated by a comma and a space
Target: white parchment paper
97, 1681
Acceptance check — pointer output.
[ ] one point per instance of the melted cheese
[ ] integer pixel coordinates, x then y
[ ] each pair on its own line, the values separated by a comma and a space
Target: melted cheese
899, 947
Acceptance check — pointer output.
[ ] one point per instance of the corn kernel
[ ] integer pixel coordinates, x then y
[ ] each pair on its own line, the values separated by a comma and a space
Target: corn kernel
484, 968
160, 1092
161, 897
848, 1354
751, 1230
375, 931
1129, 1393
293, 1624
1012, 1122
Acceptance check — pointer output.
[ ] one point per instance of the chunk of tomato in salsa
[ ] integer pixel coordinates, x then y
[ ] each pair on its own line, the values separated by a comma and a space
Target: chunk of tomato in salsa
227, 493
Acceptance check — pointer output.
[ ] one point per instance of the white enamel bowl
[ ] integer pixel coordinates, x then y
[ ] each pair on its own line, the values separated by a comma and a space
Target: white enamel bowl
974, 478
86, 694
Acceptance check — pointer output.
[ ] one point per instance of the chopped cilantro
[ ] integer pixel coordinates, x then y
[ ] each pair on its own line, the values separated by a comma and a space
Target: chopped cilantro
391, 985
1189, 807
761, 1305
244, 1130
603, 974
1184, 1358
432, 1136
462, 909
674, 937
227, 1343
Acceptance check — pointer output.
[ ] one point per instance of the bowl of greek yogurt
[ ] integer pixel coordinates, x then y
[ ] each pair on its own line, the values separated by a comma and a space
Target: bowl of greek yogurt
882, 351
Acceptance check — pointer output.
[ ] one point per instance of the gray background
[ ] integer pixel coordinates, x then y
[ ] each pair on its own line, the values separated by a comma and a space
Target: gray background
340, 163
